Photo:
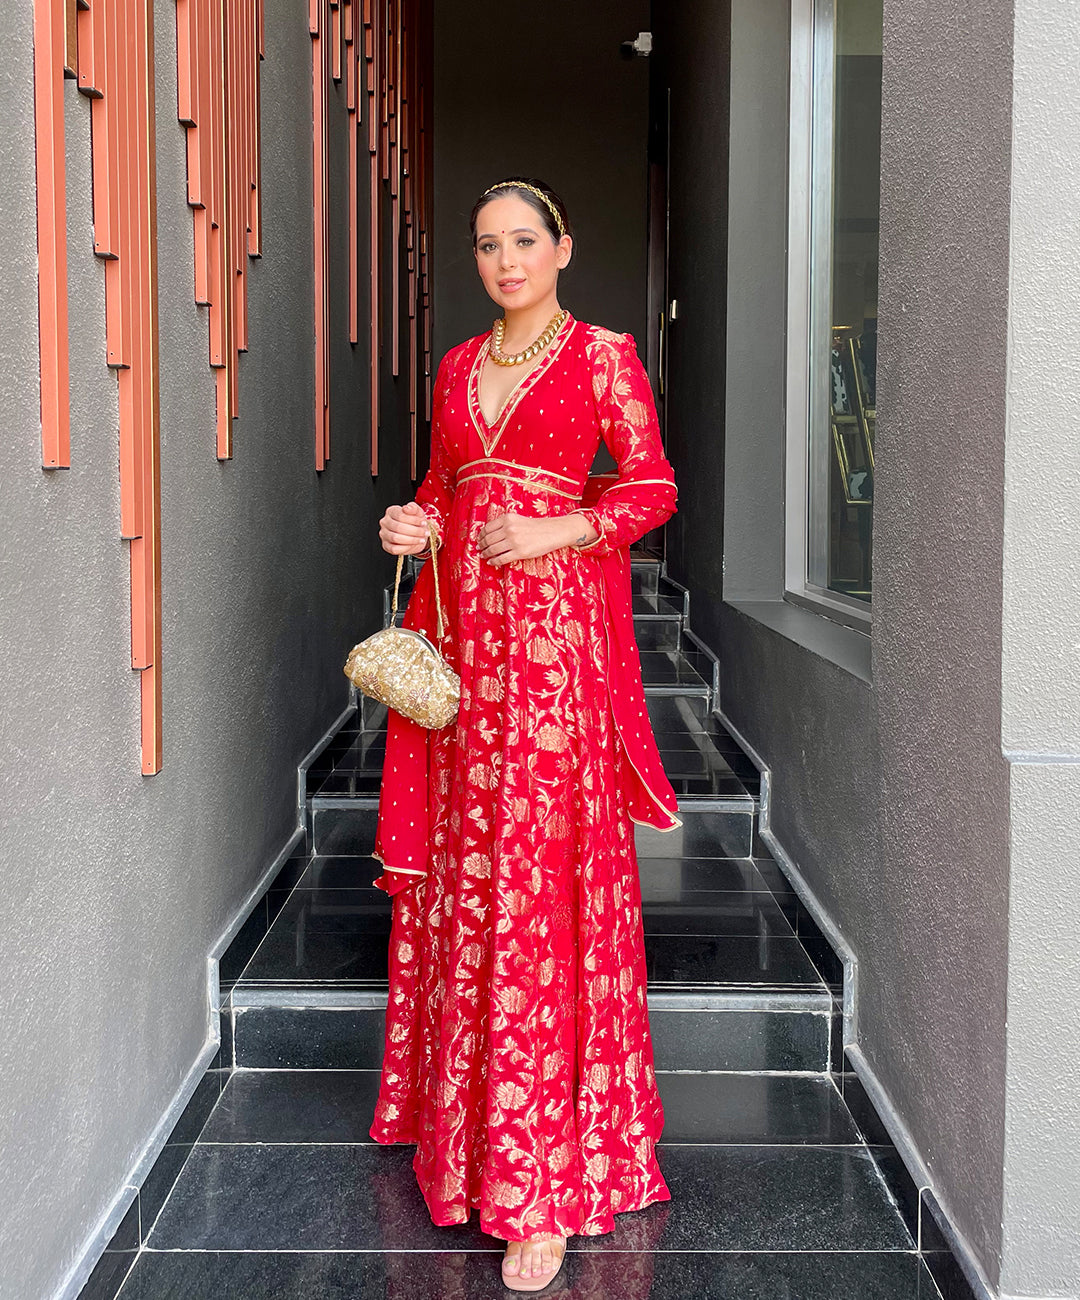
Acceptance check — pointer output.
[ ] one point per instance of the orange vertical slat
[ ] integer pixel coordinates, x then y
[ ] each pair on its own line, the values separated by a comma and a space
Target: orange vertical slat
371, 59
373, 18
426, 341
413, 395
248, 172
213, 134
395, 285
352, 104
330, 33
117, 301
147, 549
105, 147
354, 227
335, 39
49, 42
376, 324
126, 282
187, 55
199, 154
110, 241
70, 66
316, 193
245, 20
219, 277
255, 242
89, 48
133, 387
396, 55
226, 217
233, 146
383, 36
318, 158
350, 55
233, 166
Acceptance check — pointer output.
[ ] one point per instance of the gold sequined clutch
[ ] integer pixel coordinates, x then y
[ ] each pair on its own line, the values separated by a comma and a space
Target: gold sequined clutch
403, 669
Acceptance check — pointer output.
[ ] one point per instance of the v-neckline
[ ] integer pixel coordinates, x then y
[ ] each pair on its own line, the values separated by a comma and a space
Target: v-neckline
484, 358
498, 425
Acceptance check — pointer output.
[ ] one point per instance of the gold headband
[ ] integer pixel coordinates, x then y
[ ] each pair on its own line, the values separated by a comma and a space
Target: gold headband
520, 185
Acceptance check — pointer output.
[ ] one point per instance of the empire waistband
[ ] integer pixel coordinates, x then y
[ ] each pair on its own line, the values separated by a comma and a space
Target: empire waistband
532, 476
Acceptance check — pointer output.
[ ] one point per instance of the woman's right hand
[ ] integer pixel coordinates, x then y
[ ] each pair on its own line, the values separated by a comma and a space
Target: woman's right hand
403, 530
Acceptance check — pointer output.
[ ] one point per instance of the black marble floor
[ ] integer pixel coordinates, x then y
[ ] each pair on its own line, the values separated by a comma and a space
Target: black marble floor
773, 1195
775, 1192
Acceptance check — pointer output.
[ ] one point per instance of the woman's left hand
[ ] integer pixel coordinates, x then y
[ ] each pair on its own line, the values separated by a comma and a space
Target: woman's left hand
523, 537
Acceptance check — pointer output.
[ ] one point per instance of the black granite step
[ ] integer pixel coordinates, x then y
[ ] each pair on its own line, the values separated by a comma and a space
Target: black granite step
334, 1028
732, 941
284, 1106
473, 1275
261, 1196
730, 980
711, 827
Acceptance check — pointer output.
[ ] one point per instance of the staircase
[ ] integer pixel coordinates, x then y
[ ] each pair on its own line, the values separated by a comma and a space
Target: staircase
776, 1193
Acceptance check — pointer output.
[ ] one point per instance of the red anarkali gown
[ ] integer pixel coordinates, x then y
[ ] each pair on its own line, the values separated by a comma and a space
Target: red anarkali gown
518, 1056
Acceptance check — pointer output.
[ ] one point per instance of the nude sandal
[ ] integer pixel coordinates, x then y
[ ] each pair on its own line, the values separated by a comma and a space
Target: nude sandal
541, 1283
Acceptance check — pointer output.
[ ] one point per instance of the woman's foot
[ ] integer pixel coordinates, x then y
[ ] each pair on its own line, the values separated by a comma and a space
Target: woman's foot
530, 1265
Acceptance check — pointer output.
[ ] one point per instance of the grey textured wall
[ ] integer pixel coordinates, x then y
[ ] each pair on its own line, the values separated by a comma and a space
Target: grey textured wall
937, 1034
115, 886
893, 800
543, 92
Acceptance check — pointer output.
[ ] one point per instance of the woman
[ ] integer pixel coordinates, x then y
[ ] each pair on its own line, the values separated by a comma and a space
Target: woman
518, 1055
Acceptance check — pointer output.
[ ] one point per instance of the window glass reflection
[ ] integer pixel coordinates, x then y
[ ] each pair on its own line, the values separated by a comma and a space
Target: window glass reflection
843, 451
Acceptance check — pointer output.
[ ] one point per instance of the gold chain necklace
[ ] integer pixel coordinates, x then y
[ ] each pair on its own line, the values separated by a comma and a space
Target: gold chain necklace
499, 328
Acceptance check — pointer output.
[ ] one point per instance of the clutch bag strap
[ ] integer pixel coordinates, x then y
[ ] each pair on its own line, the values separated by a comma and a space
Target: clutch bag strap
434, 573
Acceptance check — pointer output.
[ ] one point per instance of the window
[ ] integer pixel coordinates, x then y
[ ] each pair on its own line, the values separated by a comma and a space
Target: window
833, 227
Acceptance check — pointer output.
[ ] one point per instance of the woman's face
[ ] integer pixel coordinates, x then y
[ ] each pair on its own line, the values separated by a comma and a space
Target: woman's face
518, 260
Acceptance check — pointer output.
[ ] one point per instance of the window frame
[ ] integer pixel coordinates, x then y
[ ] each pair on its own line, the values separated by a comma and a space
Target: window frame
809, 304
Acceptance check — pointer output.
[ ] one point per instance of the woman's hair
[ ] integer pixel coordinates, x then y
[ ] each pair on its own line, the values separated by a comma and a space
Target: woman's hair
523, 187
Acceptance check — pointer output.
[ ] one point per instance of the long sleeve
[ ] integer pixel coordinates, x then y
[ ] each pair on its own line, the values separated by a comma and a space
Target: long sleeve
644, 494
436, 492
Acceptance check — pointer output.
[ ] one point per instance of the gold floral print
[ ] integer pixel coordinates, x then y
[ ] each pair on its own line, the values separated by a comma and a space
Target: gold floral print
518, 1056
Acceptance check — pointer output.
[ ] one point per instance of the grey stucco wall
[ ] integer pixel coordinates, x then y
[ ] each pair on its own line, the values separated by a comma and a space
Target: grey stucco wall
937, 1034
116, 886
892, 798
